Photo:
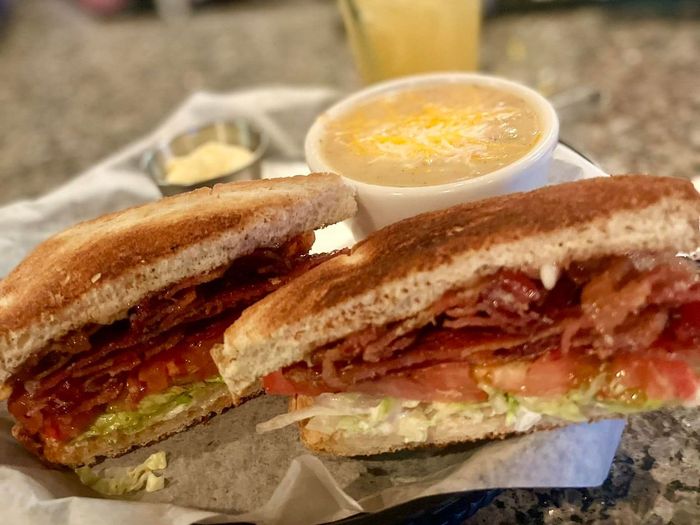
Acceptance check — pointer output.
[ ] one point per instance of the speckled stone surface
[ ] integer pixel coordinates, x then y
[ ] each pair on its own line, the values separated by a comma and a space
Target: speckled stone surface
73, 89
655, 479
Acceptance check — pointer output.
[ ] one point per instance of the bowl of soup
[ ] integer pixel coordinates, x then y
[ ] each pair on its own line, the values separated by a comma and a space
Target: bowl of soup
428, 142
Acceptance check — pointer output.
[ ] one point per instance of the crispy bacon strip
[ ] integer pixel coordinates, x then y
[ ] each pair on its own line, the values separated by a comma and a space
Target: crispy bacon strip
601, 307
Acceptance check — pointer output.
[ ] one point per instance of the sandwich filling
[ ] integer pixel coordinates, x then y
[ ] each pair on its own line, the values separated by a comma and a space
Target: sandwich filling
605, 336
149, 365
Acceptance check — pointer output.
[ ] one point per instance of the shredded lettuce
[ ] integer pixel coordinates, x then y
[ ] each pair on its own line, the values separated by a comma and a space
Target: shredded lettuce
523, 419
284, 420
357, 413
325, 405
629, 408
155, 407
117, 481
382, 410
562, 407
413, 421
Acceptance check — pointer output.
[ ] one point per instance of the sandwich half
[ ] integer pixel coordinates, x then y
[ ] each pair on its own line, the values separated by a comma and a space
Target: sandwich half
508, 315
106, 328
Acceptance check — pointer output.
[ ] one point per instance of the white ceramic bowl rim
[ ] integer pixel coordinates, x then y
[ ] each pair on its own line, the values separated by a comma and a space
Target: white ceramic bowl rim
544, 109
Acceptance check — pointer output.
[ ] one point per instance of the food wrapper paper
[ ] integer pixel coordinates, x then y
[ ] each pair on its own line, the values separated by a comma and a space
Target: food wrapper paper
222, 471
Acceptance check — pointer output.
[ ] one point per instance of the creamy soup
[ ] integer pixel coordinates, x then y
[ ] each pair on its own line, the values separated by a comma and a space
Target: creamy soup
430, 135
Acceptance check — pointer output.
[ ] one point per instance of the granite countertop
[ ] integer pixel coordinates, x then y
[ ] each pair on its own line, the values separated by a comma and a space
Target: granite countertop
73, 90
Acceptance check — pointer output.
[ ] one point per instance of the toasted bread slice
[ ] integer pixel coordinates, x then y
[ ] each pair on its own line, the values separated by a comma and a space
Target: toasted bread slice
397, 272
95, 271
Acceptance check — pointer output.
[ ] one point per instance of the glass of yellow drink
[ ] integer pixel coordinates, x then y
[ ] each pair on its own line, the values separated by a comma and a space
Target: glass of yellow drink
391, 38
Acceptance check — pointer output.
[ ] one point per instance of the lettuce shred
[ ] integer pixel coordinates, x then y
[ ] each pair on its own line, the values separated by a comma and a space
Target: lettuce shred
152, 408
117, 481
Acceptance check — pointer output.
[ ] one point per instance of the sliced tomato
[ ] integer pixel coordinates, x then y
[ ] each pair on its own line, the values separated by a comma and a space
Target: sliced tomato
51, 429
690, 313
692, 357
557, 373
20, 406
278, 383
443, 382
66, 426
188, 361
685, 323
660, 376
195, 363
154, 375
508, 377
553, 374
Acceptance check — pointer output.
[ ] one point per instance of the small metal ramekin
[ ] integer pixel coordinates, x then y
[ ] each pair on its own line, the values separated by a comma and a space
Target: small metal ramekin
237, 132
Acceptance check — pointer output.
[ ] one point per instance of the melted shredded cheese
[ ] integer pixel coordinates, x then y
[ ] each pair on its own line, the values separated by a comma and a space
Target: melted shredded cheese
435, 132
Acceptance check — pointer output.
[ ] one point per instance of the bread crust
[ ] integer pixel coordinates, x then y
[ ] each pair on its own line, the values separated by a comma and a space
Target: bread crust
96, 270
401, 270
